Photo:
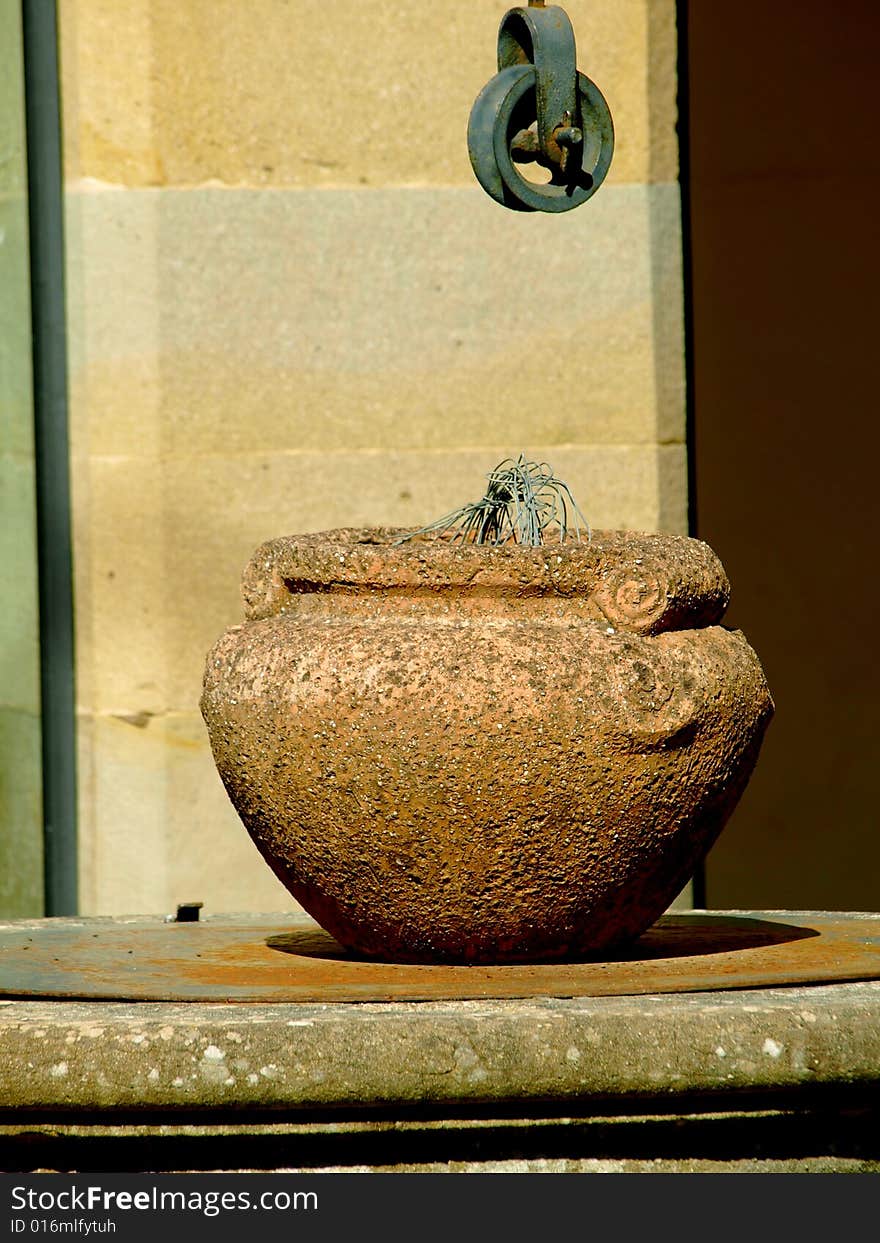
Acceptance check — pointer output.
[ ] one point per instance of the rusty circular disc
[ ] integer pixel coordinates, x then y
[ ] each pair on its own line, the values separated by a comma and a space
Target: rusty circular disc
276, 959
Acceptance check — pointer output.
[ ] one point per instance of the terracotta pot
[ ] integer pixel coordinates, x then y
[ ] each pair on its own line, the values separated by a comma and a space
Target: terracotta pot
482, 754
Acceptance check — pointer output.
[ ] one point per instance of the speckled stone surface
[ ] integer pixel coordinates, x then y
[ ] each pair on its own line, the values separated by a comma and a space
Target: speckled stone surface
475, 754
784, 1079
173, 1056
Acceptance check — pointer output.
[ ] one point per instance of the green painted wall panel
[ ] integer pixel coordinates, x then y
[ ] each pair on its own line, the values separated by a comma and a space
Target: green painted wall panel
21, 845
21, 831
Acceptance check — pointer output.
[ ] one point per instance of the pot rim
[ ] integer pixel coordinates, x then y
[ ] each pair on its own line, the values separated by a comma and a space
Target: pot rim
660, 580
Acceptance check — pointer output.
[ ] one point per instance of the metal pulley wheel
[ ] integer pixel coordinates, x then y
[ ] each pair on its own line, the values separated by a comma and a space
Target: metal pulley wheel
539, 108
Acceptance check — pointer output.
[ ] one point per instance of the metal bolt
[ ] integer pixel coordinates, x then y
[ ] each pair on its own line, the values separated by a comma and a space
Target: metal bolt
569, 136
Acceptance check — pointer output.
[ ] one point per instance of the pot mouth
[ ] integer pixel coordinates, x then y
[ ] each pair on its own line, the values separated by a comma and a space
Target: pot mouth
641, 581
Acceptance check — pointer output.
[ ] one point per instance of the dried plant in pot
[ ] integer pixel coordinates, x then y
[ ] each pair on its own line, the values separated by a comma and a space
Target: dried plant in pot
464, 751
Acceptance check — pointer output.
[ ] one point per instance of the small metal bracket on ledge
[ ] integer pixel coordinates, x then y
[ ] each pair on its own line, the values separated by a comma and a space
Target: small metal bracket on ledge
539, 108
187, 913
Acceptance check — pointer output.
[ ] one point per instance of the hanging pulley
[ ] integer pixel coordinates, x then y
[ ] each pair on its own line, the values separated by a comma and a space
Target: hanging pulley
539, 108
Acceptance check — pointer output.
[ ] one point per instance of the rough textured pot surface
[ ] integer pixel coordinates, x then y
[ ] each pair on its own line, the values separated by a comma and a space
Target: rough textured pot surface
484, 754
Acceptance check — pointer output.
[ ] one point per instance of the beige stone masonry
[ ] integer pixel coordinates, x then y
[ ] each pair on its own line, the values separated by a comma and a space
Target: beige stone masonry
169, 539
277, 93
290, 307
209, 321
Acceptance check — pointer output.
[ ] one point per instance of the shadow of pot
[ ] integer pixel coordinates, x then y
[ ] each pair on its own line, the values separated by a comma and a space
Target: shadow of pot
479, 754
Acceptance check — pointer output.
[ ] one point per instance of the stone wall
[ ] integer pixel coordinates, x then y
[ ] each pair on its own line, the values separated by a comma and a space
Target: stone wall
291, 308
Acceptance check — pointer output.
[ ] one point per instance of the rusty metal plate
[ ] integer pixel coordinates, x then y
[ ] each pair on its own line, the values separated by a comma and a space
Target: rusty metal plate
266, 959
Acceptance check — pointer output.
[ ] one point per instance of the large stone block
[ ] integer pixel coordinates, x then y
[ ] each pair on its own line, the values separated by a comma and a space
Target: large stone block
113, 257
275, 93
156, 827
218, 321
120, 584
672, 488
211, 858
108, 79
